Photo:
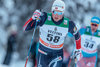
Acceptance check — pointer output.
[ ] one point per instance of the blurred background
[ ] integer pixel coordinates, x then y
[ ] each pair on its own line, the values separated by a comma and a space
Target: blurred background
14, 14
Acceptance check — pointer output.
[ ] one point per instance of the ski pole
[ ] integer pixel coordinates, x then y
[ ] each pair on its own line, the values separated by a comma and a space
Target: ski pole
31, 44
71, 56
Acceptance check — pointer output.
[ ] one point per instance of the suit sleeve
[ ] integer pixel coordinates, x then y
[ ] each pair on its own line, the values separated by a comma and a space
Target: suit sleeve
73, 30
30, 24
82, 30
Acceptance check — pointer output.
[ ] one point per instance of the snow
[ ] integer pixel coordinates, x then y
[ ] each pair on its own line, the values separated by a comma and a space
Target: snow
19, 11
4, 16
9, 4
15, 62
3, 37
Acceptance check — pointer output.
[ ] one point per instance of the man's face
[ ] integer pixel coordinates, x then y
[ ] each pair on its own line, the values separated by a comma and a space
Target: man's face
94, 27
57, 15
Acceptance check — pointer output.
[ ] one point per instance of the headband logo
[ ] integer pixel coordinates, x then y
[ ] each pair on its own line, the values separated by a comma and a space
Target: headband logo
95, 20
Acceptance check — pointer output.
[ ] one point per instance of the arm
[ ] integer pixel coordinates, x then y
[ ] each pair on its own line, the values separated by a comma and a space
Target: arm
73, 30
38, 17
77, 34
82, 30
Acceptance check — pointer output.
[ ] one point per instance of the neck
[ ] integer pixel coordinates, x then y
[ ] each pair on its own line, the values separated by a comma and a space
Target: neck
93, 31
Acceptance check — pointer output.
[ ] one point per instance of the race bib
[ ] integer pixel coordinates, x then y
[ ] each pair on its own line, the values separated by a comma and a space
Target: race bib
89, 44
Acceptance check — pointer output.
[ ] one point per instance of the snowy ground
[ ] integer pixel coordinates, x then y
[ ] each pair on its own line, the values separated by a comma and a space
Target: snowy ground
15, 62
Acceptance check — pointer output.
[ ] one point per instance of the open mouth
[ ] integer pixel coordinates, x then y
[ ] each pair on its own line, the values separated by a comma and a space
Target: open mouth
56, 17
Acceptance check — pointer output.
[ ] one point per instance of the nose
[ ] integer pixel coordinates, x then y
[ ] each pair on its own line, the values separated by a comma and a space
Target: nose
56, 15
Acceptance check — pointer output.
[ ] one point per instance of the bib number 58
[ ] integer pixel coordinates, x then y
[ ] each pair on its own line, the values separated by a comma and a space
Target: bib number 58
55, 39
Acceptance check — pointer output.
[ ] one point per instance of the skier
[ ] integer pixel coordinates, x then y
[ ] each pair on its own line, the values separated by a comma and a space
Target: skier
11, 44
53, 30
90, 39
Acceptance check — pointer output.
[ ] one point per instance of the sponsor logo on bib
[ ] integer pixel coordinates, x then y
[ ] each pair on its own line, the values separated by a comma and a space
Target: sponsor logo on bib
65, 22
49, 18
87, 29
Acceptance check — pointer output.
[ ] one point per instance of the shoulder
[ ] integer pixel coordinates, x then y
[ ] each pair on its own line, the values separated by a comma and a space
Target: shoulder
71, 22
65, 18
44, 14
98, 33
85, 29
68, 21
43, 18
88, 28
49, 14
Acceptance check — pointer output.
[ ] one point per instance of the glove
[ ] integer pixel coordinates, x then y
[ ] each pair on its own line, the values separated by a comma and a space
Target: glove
77, 54
36, 15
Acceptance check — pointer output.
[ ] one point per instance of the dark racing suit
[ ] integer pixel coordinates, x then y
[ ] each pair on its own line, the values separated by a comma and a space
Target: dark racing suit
52, 34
